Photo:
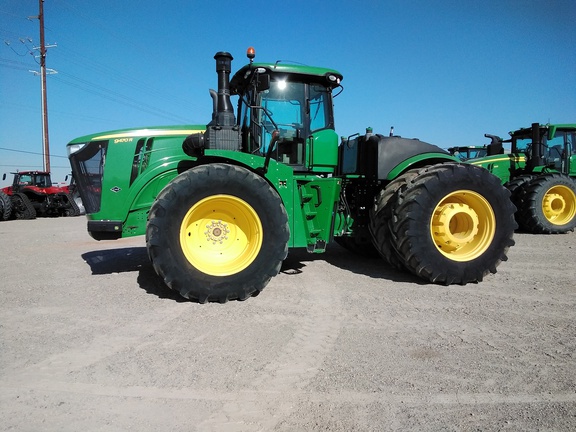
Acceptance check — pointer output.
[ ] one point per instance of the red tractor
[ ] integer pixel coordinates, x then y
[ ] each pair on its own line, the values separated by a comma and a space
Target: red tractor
32, 194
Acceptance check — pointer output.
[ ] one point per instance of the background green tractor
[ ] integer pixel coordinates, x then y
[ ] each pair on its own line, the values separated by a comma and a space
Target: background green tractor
222, 203
468, 152
540, 172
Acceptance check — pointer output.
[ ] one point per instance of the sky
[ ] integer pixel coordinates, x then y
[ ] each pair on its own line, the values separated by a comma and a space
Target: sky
445, 71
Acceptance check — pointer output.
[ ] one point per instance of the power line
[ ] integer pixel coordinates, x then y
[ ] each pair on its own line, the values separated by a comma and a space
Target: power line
33, 166
29, 152
58, 113
112, 74
98, 90
106, 71
13, 64
12, 14
115, 75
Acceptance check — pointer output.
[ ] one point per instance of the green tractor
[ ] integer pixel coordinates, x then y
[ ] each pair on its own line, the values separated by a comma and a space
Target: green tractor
468, 152
540, 172
222, 203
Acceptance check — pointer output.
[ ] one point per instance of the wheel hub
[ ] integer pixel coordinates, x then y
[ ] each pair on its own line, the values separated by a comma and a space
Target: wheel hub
553, 205
216, 232
455, 225
221, 235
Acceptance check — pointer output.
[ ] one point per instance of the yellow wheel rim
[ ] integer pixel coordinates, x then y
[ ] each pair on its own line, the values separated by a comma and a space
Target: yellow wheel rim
559, 205
221, 235
463, 225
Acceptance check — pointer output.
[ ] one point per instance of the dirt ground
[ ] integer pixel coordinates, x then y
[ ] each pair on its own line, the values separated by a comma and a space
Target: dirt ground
91, 340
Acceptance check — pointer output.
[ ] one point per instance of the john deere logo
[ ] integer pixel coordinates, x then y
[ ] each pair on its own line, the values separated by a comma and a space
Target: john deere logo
115, 189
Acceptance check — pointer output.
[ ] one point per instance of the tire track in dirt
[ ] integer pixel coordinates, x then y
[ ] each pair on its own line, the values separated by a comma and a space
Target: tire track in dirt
255, 397
278, 387
271, 397
57, 368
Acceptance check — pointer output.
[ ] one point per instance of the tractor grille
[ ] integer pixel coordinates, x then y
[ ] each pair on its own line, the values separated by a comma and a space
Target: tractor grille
88, 169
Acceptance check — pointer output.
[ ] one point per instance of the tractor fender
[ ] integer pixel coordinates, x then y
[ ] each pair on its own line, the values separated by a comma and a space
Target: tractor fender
395, 154
385, 157
7, 190
278, 175
133, 211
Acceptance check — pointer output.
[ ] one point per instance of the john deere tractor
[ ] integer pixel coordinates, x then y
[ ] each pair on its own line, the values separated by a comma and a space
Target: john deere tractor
221, 204
468, 152
540, 172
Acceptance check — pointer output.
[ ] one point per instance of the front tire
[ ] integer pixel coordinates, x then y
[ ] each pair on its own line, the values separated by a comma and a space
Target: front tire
516, 186
217, 232
453, 223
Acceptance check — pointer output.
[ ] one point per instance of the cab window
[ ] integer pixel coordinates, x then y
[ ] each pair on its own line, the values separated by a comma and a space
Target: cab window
318, 115
284, 103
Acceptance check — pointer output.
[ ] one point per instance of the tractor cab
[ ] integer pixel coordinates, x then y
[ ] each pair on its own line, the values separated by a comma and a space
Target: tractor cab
36, 179
284, 113
546, 146
287, 111
533, 150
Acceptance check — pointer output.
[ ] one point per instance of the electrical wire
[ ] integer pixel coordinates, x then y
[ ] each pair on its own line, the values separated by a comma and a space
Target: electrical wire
103, 92
34, 166
29, 152
106, 72
13, 64
111, 74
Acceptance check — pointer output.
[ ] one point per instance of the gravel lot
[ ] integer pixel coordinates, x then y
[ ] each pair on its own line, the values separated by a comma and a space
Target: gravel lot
91, 340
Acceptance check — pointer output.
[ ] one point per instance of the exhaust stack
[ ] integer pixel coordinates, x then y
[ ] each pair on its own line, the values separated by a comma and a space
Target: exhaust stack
222, 133
224, 113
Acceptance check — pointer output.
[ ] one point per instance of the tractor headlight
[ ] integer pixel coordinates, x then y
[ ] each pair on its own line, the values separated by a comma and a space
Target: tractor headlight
333, 79
73, 148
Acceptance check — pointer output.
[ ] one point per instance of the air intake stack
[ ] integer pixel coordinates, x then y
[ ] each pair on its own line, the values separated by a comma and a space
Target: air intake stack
224, 115
222, 133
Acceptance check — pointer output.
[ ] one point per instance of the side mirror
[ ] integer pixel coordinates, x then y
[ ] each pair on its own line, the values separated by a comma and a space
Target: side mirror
263, 82
4, 176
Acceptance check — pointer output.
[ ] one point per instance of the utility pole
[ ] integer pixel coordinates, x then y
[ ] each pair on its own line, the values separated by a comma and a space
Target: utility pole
44, 99
42, 49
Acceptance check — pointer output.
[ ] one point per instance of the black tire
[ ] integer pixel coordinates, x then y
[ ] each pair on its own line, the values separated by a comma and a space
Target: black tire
453, 223
516, 183
380, 215
199, 219
515, 186
5, 206
22, 207
547, 204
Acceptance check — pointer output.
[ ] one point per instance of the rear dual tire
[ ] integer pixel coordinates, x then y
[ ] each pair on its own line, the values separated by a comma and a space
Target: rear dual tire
381, 216
447, 223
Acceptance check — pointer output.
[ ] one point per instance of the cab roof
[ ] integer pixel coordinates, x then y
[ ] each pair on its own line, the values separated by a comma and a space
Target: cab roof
327, 76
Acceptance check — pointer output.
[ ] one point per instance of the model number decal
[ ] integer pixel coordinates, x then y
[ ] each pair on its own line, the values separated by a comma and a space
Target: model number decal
123, 140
